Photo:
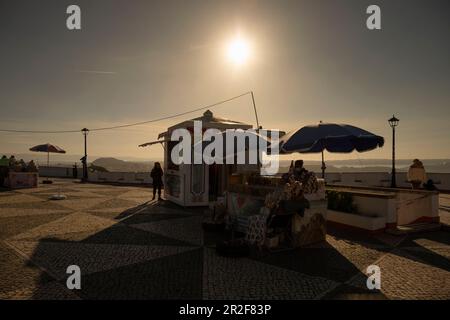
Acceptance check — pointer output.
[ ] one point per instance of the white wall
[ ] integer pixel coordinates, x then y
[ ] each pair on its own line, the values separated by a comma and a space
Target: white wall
357, 221
116, 177
412, 206
376, 179
121, 177
58, 172
383, 179
396, 206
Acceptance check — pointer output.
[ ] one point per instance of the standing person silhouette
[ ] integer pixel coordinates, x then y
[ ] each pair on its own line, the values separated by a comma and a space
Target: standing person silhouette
156, 175
4, 169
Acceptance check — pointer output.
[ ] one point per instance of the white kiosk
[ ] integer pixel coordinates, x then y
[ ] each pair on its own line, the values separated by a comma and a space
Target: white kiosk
196, 184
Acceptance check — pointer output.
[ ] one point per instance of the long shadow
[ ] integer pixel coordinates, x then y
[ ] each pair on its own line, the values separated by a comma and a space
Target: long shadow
326, 261
131, 211
123, 262
3, 189
411, 249
118, 184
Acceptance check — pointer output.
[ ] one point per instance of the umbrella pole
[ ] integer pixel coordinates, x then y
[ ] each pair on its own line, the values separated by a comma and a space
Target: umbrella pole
48, 164
323, 167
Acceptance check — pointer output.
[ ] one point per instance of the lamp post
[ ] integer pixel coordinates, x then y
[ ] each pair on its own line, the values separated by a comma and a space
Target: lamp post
393, 122
85, 132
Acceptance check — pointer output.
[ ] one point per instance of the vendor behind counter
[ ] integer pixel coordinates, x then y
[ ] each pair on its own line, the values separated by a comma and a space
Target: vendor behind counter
270, 210
298, 173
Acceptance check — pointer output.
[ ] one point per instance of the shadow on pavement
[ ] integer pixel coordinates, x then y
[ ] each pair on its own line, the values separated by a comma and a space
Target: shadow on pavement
124, 262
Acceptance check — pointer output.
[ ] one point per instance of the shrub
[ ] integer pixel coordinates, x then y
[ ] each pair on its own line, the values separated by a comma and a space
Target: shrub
340, 201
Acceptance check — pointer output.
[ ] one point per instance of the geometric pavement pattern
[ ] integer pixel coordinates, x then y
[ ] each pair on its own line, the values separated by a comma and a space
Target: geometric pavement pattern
129, 247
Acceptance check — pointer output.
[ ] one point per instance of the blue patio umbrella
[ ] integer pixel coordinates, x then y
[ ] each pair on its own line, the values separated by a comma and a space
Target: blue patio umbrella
337, 138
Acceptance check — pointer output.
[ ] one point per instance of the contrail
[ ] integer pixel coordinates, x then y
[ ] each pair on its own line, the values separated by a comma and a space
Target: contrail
95, 71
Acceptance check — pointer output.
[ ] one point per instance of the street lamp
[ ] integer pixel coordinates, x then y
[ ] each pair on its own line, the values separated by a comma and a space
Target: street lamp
393, 122
85, 132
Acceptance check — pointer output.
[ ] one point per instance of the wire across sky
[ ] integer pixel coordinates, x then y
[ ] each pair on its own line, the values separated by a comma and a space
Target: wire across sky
130, 124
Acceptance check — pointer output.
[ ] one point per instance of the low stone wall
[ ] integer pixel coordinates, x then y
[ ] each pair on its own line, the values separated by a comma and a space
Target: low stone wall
394, 206
383, 179
420, 206
371, 224
110, 177
121, 177
375, 179
59, 172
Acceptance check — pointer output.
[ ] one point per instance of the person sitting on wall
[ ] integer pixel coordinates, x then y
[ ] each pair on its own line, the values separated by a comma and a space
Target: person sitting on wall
12, 162
416, 174
156, 175
22, 165
31, 167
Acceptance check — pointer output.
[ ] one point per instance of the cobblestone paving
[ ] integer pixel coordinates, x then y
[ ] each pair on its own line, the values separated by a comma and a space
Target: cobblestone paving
129, 247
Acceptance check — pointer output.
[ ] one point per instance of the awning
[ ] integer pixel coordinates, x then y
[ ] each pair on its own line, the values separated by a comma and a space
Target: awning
153, 142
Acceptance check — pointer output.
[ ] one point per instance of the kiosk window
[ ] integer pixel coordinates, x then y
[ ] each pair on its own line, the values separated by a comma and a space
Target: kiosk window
170, 164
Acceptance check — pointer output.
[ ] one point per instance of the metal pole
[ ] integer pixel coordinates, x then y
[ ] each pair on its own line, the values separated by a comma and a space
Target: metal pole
393, 177
256, 113
85, 156
323, 167
85, 170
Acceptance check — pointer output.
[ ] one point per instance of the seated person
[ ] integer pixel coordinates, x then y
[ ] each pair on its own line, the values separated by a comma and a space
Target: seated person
416, 174
12, 162
22, 165
307, 178
32, 167
299, 171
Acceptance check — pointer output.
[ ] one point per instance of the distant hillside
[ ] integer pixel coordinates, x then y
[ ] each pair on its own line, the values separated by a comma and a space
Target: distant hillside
370, 165
68, 159
113, 164
135, 165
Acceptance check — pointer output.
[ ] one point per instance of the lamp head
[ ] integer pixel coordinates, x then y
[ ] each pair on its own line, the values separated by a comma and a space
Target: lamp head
393, 122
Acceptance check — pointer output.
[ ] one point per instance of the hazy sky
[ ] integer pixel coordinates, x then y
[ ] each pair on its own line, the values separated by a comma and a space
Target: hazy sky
137, 60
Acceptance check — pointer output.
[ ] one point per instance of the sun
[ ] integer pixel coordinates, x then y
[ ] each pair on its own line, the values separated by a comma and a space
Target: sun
238, 51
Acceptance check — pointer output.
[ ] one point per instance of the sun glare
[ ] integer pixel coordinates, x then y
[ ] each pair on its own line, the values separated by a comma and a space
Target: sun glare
238, 51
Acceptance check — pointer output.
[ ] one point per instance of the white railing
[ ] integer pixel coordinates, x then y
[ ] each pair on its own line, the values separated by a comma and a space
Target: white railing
121, 177
59, 172
383, 179
376, 179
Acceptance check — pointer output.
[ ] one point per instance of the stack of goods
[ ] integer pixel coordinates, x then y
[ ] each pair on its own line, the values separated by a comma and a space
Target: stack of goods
288, 199
257, 179
216, 220
291, 195
257, 227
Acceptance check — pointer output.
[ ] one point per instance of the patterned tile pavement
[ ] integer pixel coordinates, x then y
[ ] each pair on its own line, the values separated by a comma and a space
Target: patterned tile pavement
129, 247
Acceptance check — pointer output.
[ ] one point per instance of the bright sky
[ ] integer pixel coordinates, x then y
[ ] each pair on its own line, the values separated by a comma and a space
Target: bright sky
305, 61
